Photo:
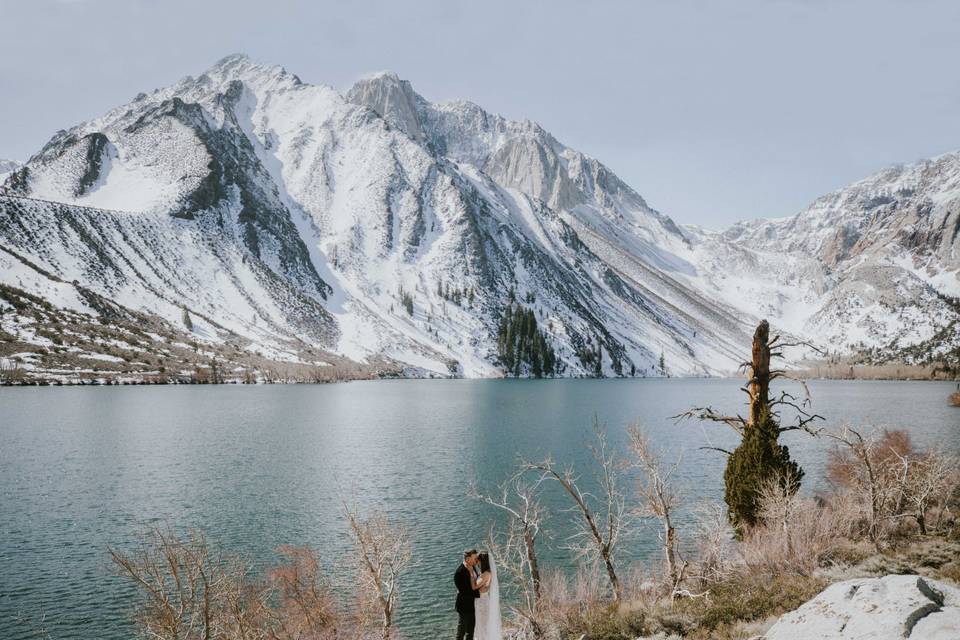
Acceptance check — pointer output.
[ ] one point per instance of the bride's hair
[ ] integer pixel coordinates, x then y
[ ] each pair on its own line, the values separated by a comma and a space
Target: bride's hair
484, 561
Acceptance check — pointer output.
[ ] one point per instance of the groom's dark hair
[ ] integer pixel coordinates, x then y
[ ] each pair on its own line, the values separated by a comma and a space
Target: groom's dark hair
468, 553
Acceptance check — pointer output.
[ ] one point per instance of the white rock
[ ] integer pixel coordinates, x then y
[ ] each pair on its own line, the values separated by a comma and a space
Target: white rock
891, 607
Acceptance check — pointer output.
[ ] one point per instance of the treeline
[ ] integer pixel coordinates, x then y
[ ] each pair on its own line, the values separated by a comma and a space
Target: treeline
590, 354
522, 348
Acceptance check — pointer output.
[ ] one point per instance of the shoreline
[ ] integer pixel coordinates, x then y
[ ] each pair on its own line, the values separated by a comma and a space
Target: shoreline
166, 380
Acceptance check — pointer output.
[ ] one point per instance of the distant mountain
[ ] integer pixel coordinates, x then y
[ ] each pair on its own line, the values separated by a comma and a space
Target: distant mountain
377, 225
872, 267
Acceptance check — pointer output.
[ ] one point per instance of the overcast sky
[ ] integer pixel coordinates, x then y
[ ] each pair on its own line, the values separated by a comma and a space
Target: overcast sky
714, 111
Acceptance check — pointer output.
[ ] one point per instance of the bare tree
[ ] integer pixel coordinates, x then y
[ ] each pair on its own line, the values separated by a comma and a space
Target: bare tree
599, 529
306, 608
714, 541
779, 506
871, 466
188, 591
760, 375
383, 553
516, 549
929, 479
658, 498
10, 371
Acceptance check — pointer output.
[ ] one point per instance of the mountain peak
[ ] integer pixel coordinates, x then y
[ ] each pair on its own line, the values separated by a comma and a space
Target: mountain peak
392, 99
380, 76
240, 66
232, 59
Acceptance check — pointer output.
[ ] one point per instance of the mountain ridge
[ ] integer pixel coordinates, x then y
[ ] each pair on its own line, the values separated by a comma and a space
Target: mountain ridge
367, 207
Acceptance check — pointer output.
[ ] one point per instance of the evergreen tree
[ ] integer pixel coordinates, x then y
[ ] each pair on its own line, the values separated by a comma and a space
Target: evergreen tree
521, 345
187, 321
758, 458
407, 300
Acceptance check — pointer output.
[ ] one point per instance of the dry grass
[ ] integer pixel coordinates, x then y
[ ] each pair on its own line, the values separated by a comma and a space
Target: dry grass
955, 398
746, 597
894, 371
797, 535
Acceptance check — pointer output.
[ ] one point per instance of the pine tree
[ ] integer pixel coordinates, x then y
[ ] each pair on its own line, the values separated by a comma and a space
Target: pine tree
407, 300
752, 464
663, 365
520, 344
187, 321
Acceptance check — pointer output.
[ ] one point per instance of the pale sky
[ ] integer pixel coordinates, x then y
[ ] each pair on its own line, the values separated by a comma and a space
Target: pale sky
714, 111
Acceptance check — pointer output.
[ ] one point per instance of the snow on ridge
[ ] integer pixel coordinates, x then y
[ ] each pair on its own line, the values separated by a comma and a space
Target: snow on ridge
381, 194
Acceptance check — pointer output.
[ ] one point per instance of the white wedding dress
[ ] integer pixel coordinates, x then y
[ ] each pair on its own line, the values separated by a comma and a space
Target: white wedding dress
489, 625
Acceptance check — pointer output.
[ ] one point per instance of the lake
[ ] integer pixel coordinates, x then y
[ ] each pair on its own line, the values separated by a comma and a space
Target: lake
260, 466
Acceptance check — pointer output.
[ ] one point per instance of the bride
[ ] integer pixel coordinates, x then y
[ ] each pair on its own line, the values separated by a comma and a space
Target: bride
488, 604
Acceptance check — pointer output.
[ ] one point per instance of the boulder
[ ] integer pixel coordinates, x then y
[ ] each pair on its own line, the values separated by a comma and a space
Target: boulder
891, 607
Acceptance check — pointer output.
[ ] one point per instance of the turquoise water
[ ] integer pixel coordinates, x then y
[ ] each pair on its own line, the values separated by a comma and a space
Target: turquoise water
261, 466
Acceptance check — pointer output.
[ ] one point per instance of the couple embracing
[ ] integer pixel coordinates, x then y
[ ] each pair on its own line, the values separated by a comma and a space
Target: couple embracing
478, 598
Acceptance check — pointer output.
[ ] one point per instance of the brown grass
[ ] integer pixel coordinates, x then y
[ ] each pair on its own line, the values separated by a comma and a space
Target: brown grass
892, 371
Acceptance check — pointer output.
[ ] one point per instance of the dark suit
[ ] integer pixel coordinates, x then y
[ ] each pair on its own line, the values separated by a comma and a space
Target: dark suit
466, 594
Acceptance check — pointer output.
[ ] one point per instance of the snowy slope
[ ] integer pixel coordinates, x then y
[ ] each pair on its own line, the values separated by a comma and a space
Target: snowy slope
348, 202
872, 265
297, 215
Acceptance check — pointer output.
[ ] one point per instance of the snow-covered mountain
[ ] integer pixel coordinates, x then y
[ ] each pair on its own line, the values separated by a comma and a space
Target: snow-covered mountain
367, 223
374, 223
875, 265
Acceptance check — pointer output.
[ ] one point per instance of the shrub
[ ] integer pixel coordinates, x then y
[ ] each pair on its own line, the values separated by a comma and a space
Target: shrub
795, 534
609, 623
752, 596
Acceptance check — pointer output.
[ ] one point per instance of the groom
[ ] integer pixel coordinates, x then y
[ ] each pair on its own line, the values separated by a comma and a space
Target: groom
466, 594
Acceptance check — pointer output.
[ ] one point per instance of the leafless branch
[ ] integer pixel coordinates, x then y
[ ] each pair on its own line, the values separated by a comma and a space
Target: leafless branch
599, 529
